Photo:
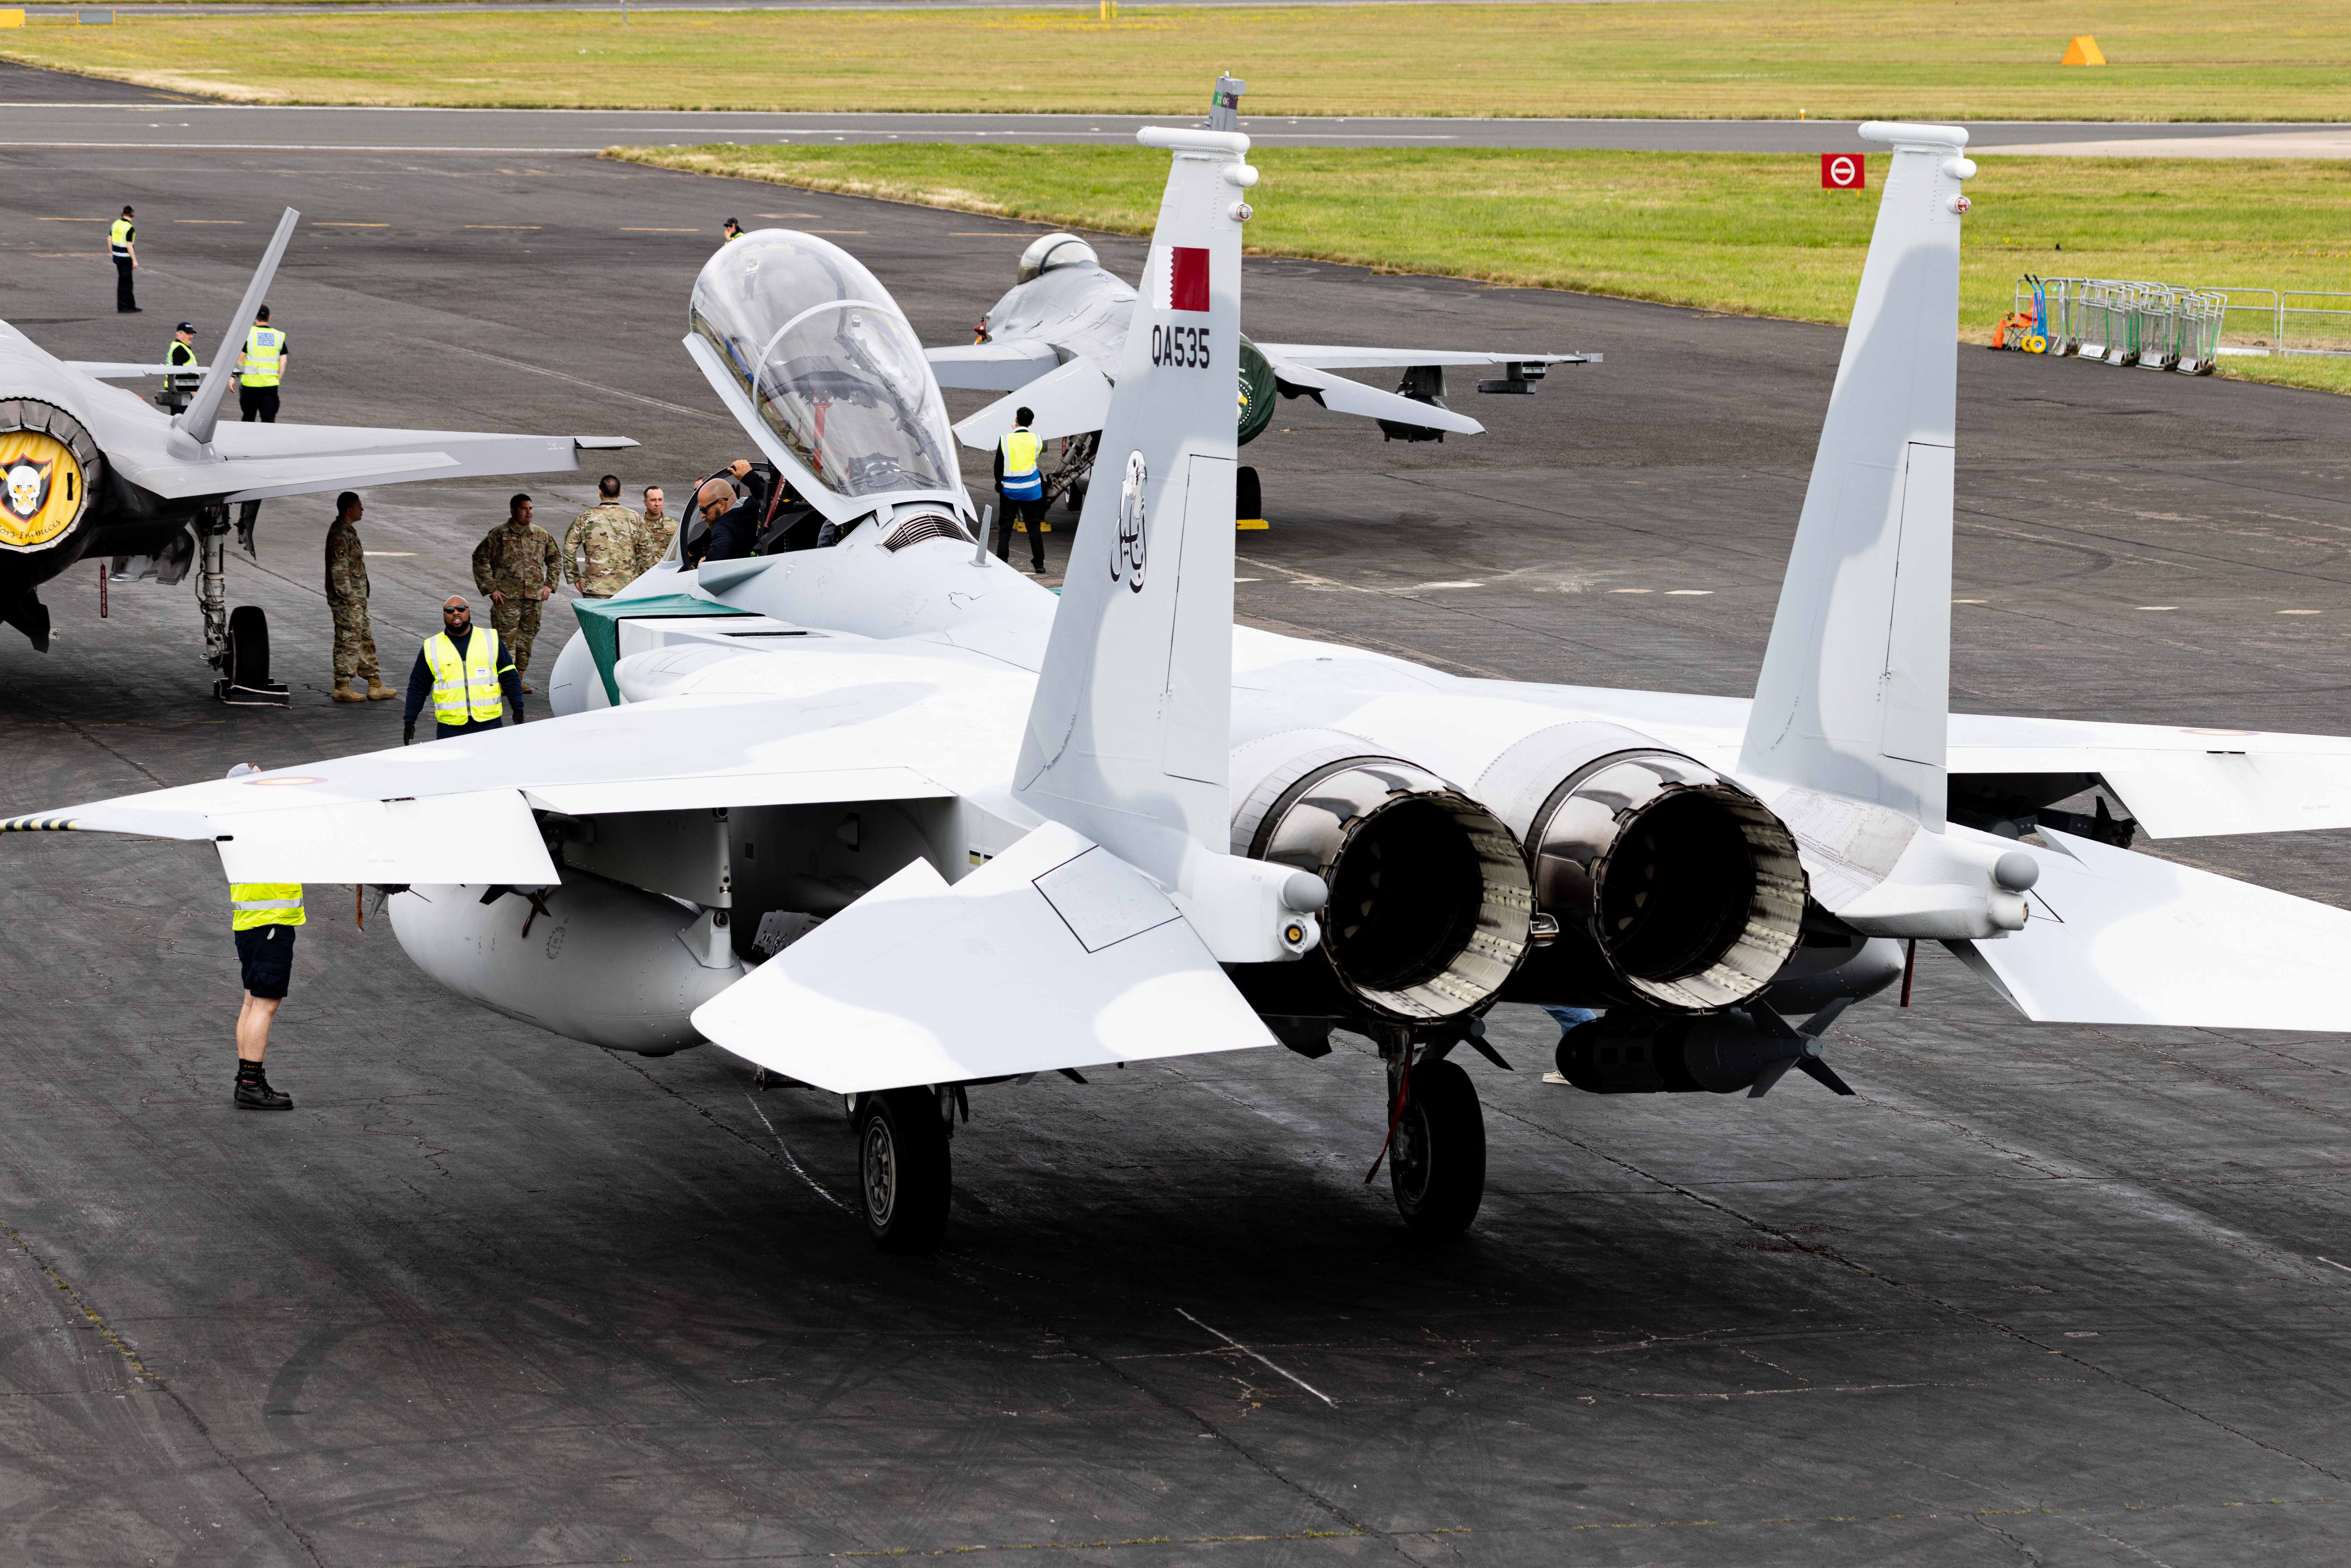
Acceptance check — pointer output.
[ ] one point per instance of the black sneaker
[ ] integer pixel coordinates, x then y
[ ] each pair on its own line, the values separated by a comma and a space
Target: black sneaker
255, 1094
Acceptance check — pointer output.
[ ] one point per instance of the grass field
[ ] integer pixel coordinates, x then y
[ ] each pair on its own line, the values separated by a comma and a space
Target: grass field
1952, 59
1748, 234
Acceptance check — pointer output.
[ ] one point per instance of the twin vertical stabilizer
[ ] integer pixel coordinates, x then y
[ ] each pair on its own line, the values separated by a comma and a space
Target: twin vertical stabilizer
1128, 738
1855, 692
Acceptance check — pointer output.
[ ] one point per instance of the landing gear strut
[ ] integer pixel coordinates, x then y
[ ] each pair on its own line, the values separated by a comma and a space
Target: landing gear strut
904, 1171
236, 643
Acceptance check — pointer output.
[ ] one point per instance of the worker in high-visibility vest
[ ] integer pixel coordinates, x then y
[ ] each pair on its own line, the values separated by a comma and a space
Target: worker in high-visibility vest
1020, 487
465, 674
259, 370
122, 245
266, 914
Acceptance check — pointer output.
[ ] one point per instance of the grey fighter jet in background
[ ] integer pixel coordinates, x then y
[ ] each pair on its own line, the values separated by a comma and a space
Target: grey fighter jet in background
88, 469
1051, 345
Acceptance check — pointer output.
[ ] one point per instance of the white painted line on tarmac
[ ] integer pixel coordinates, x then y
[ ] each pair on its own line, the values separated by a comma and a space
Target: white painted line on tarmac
1687, 592
1248, 1352
2158, 607
2333, 1264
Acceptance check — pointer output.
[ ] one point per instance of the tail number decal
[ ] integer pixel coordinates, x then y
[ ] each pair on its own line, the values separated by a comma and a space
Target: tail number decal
1184, 347
1126, 558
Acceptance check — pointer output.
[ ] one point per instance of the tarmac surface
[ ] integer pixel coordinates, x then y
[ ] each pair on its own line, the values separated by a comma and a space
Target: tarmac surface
2039, 1295
42, 109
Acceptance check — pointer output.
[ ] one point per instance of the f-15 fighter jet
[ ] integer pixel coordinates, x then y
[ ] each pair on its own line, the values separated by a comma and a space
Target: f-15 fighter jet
885, 818
93, 470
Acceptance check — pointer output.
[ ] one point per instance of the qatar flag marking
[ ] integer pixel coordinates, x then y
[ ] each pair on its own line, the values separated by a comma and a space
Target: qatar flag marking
1187, 278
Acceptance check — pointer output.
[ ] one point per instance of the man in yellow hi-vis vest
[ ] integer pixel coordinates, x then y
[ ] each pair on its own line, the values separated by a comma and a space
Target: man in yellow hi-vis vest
259, 370
122, 245
1020, 489
266, 916
464, 672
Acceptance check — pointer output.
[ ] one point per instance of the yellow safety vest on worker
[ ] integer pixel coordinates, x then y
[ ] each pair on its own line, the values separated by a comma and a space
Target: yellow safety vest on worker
1021, 480
465, 686
260, 903
262, 356
118, 239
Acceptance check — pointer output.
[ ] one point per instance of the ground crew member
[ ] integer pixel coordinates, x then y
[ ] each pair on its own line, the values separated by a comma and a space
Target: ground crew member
655, 529
1019, 486
517, 564
264, 915
123, 243
180, 379
464, 671
604, 546
347, 599
259, 370
732, 230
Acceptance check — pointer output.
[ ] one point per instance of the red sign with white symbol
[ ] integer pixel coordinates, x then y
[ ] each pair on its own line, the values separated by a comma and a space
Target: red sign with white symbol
1843, 172
1187, 278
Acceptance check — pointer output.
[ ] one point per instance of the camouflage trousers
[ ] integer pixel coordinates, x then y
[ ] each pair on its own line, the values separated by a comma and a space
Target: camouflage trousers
354, 642
516, 624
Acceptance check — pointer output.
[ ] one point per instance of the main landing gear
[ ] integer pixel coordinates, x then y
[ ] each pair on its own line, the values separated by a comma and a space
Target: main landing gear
904, 1171
1437, 1139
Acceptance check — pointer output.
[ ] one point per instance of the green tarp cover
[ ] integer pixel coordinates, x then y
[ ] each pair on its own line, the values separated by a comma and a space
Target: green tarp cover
600, 623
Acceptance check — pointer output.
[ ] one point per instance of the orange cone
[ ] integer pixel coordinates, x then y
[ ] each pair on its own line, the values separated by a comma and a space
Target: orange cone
2083, 51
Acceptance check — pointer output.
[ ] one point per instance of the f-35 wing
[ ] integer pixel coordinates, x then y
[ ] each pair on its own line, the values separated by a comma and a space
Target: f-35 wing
251, 462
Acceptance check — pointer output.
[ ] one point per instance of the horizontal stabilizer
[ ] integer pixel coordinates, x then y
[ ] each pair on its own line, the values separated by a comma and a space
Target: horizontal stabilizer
2123, 938
1335, 357
1055, 954
992, 367
296, 460
1070, 401
1341, 395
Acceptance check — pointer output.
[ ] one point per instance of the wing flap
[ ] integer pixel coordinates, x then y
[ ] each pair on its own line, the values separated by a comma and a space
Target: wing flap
1055, 954
487, 835
2123, 938
1336, 357
732, 789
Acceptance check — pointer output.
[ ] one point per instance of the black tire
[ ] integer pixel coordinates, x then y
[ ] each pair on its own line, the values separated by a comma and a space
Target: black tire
904, 1171
1437, 1166
248, 646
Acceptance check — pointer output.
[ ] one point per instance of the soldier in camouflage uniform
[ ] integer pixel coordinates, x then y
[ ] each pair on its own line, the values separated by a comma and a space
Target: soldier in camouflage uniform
518, 565
347, 599
657, 529
601, 547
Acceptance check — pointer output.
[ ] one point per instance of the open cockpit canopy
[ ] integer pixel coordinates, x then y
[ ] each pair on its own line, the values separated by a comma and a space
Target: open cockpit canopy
828, 363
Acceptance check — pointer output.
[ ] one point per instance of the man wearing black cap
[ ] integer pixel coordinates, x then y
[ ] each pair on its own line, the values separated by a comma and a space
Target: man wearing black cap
178, 382
733, 231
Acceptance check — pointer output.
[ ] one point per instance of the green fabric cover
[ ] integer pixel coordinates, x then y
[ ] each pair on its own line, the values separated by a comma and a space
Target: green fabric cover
600, 623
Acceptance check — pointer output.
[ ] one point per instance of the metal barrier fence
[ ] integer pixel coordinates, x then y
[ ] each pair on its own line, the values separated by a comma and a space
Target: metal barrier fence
2124, 322
2155, 327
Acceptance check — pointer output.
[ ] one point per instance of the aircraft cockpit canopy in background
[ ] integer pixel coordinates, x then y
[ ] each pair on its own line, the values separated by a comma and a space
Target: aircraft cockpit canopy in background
829, 365
1049, 251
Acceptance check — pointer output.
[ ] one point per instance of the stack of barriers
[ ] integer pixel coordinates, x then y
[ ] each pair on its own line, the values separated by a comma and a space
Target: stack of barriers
2116, 321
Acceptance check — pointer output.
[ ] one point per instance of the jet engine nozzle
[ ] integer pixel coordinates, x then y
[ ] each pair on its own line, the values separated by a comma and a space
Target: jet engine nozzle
1674, 887
1429, 907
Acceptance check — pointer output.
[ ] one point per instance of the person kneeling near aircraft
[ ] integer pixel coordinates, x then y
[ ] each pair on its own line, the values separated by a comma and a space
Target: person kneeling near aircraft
464, 672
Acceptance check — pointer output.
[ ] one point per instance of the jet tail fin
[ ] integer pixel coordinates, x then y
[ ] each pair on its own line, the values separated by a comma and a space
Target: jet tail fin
1132, 722
203, 411
1855, 694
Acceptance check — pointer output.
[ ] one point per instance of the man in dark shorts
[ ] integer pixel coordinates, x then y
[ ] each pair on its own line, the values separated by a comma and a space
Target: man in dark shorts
266, 914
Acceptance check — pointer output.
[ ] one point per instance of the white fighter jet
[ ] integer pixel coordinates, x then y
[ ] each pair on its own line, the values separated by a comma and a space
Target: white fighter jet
886, 819
92, 470
1053, 345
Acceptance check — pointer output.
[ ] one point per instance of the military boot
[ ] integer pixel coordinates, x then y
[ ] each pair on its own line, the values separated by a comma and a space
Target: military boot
343, 693
254, 1093
378, 691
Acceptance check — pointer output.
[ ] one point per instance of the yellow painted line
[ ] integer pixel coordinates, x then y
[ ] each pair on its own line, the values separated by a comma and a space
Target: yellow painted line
501, 225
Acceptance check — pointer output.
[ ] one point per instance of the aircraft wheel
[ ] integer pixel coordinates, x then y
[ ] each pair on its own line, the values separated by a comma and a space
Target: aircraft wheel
904, 1171
248, 646
1437, 1165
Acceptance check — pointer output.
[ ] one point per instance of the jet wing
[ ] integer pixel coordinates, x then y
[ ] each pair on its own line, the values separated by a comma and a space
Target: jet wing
2116, 937
1328, 357
1070, 401
2178, 781
256, 461
118, 371
1005, 366
1055, 954
1341, 395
